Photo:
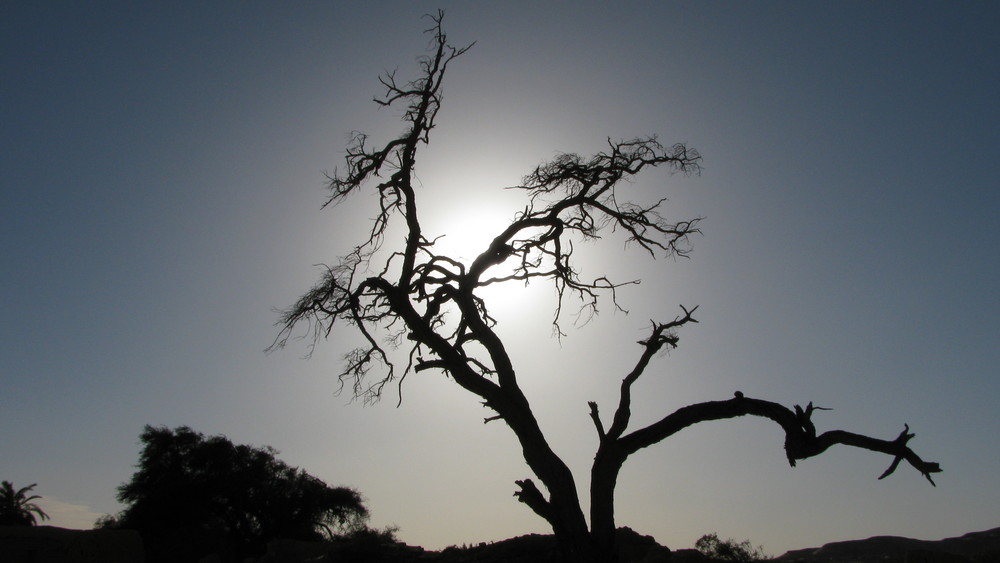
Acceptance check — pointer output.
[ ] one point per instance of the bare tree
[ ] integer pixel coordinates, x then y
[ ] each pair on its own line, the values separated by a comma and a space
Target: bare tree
430, 305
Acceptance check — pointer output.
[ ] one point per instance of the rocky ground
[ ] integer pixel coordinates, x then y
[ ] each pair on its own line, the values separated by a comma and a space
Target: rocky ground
976, 547
57, 545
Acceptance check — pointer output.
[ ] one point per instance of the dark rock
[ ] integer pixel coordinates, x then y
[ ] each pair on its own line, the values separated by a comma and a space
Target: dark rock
531, 548
282, 551
48, 544
926, 556
636, 548
690, 556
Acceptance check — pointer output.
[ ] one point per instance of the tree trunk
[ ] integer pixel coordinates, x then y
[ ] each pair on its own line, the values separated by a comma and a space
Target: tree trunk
562, 509
603, 479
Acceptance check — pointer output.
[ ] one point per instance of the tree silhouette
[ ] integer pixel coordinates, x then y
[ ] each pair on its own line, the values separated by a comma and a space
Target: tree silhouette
16, 508
430, 304
211, 489
729, 550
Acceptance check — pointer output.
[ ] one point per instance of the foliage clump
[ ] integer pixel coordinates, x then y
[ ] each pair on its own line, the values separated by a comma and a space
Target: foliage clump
16, 508
208, 492
729, 550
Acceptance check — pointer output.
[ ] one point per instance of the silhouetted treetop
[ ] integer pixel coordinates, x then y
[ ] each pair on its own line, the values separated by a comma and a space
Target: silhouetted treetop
17, 508
729, 550
185, 480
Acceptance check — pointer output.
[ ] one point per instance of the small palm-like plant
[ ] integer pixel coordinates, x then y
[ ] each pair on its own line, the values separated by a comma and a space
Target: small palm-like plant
16, 508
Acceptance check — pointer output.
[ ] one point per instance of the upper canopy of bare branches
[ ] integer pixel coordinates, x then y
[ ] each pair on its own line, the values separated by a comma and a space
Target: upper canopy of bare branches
410, 289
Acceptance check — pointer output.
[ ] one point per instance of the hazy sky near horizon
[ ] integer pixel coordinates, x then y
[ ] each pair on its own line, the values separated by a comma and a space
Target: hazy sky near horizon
162, 175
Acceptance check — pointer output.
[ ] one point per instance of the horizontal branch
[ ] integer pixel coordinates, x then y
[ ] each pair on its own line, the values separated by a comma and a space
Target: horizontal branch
801, 441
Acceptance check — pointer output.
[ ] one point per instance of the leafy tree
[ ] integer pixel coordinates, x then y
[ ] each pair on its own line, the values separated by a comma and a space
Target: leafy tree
431, 304
212, 488
16, 508
729, 550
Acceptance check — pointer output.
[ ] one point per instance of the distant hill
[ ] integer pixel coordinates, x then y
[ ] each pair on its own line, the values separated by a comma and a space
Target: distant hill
975, 547
56, 545
978, 547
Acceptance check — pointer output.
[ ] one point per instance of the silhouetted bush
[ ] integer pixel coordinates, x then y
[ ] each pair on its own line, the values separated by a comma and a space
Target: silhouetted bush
729, 550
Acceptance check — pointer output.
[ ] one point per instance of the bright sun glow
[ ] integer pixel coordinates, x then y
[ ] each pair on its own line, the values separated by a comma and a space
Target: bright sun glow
464, 236
467, 231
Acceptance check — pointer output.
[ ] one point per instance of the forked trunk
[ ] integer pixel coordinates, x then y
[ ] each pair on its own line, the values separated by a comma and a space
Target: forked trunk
603, 479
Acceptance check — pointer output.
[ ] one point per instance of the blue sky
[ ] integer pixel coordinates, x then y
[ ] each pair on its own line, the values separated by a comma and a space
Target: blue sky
162, 170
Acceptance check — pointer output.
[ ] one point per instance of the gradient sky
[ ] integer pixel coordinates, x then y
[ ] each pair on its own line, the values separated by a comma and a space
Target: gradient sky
162, 175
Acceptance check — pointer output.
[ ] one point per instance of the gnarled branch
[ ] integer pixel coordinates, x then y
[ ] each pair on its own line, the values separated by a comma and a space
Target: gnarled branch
661, 335
801, 441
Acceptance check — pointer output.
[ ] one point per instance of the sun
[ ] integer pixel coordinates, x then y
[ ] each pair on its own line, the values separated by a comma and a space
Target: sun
464, 230
466, 235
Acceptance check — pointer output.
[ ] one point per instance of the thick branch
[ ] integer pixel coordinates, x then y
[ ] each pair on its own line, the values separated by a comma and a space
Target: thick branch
801, 441
531, 496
